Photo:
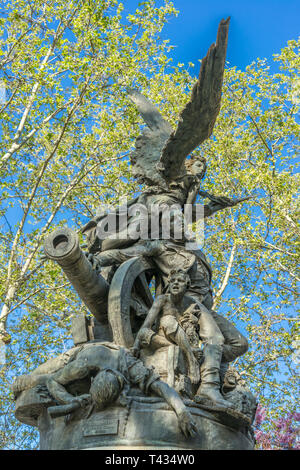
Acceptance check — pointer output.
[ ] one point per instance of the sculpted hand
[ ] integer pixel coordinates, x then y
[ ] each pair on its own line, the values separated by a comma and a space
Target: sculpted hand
83, 400
96, 265
191, 314
192, 310
186, 424
189, 317
21, 383
135, 350
234, 202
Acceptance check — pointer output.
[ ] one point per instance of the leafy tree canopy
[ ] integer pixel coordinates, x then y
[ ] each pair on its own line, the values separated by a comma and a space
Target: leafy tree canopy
66, 129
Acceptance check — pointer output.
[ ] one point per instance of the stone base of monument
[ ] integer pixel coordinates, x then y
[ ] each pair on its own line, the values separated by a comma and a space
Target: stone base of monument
147, 423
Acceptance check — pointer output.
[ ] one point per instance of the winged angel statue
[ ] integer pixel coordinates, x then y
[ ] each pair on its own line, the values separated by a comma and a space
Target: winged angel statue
159, 160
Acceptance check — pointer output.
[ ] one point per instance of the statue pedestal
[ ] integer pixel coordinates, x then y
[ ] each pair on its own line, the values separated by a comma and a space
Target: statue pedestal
146, 424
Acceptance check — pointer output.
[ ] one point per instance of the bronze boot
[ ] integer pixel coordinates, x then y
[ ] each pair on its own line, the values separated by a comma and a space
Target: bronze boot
210, 376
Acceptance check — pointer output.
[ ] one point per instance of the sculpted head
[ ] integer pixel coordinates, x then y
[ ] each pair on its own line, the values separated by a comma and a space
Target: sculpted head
197, 166
179, 281
106, 387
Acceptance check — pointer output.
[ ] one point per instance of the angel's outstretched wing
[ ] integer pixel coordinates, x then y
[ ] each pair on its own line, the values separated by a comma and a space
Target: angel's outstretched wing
198, 117
149, 144
160, 152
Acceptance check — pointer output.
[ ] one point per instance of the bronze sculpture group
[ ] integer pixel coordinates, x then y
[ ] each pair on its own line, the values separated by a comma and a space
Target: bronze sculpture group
150, 294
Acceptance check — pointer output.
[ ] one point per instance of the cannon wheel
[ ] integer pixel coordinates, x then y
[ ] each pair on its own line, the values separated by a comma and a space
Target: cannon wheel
129, 299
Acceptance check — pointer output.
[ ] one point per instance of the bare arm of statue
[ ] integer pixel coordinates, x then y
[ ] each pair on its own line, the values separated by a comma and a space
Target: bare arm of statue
185, 420
56, 382
149, 320
75, 370
216, 203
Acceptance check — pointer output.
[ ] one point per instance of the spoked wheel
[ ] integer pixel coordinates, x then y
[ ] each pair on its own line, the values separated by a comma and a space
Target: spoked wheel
130, 299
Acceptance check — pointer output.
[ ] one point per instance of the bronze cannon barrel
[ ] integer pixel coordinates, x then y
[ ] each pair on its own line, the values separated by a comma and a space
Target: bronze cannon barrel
62, 246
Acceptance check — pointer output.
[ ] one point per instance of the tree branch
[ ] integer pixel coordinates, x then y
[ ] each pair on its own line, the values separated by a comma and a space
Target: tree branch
15, 145
226, 277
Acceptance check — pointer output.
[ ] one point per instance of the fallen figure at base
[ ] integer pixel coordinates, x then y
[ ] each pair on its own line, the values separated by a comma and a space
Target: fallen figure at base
112, 370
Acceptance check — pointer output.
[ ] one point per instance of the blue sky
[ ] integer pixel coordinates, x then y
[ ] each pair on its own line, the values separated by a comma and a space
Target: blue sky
258, 28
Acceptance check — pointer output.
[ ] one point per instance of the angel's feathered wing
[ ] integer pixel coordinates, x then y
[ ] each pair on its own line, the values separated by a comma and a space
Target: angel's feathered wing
149, 144
160, 152
197, 120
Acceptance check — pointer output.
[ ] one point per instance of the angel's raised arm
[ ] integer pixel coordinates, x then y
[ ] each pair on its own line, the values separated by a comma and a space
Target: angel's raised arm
217, 203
